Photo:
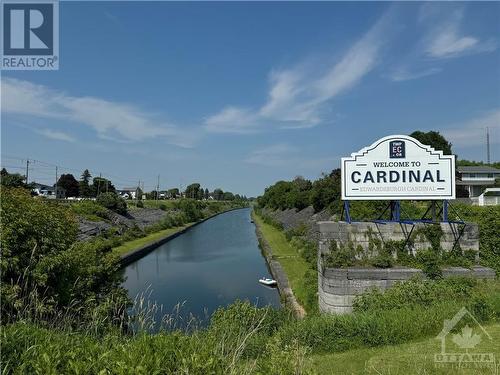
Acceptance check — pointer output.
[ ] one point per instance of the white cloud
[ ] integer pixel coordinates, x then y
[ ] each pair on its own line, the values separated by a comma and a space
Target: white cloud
443, 38
57, 135
297, 96
111, 120
446, 40
232, 120
402, 74
473, 131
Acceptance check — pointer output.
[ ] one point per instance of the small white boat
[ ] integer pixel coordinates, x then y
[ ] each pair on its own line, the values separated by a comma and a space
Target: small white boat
268, 282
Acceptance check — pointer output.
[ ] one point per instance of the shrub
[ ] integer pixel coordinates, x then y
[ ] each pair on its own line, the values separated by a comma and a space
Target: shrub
430, 262
113, 202
90, 210
140, 204
343, 256
44, 271
416, 292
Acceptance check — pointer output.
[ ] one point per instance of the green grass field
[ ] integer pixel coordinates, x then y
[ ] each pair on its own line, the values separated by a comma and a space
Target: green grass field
293, 264
409, 358
140, 242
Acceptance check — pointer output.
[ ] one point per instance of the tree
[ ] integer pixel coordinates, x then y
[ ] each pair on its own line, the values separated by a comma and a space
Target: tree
70, 184
206, 194
44, 270
113, 202
102, 185
192, 190
200, 194
85, 188
13, 179
228, 196
218, 194
326, 190
173, 193
433, 139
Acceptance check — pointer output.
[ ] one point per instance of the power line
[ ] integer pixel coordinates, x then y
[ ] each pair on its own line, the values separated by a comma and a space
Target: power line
47, 166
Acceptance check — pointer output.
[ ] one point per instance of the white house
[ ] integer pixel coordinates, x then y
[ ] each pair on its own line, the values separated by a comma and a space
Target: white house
127, 192
476, 178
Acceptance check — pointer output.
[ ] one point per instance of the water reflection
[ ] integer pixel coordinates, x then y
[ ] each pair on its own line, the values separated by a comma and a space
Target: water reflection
211, 265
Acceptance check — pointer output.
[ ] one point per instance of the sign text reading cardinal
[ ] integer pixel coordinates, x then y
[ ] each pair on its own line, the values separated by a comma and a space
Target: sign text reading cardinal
398, 167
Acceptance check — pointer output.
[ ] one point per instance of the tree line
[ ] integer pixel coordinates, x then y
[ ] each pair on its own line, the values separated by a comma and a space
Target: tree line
92, 187
325, 192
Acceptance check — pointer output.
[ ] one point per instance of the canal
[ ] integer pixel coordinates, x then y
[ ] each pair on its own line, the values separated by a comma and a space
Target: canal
211, 265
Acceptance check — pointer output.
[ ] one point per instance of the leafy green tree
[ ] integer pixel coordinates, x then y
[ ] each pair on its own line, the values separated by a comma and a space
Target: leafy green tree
228, 196
13, 179
44, 271
113, 202
326, 191
192, 190
85, 189
173, 193
70, 184
433, 139
31, 230
102, 185
218, 194
206, 194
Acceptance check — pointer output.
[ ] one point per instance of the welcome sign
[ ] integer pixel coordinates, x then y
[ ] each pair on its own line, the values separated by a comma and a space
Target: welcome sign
398, 167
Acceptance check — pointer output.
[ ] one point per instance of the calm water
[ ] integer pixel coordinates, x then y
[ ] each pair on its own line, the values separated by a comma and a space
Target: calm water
211, 265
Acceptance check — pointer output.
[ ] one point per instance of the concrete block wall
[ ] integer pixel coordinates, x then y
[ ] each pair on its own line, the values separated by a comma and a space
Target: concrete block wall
359, 233
338, 287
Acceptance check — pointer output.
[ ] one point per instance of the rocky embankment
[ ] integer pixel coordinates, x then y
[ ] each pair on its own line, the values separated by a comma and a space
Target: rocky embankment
140, 218
293, 218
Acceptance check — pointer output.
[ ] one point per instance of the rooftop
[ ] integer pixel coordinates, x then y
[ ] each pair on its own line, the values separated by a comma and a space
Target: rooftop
477, 169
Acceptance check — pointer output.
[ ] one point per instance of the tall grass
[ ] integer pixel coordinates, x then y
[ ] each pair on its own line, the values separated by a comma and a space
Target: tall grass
240, 339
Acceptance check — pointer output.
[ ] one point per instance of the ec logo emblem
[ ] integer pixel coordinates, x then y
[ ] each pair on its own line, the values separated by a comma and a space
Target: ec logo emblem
396, 149
30, 35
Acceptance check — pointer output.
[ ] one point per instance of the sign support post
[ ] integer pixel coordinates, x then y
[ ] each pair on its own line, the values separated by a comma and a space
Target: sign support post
346, 211
445, 210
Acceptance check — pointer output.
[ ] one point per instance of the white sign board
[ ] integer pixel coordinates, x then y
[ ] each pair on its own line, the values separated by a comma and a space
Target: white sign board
398, 167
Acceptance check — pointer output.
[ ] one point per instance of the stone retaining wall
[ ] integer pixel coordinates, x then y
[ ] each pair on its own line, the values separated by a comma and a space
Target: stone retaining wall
361, 233
338, 287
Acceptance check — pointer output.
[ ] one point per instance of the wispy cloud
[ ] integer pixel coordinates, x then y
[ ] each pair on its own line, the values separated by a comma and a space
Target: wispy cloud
111, 120
57, 135
443, 38
297, 96
446, 39
403, 74
473, 131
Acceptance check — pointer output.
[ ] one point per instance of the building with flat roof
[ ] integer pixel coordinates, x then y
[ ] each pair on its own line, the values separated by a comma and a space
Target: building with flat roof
475, 179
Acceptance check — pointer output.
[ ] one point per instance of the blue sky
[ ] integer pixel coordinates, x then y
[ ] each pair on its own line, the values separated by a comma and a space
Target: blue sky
240, 95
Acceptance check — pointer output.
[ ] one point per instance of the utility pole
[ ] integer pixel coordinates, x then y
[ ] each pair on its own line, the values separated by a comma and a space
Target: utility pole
158, 188
56, 182
27, 169
488, 145
137, 192
99, 185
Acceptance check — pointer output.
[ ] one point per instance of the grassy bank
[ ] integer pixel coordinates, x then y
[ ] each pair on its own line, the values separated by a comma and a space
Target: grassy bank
410, 358
297, 269
242, 339
129, 246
